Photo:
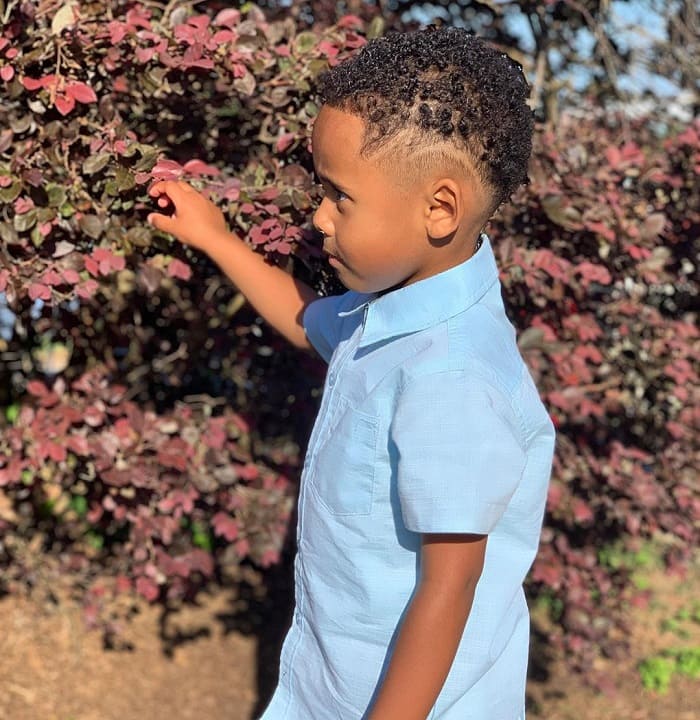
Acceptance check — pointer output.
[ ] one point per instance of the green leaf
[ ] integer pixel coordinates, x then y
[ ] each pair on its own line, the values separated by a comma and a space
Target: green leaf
245, 85
156, 80
111, 188
91, 225
201, 538
688, 662
8, 234
46, 508
36, 237
559, 214
300, 199
139, 236
260, 176
79, 504
131, 149
304, 42
45, 214
57, 195
656, 673
376, 27
11, 192
230, 109
12, 412
66, 210
315, 67
125, 179
94, 540
96, 163
26, 221
149, 157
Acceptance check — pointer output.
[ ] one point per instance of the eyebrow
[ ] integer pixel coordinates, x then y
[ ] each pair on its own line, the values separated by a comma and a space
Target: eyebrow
332, 183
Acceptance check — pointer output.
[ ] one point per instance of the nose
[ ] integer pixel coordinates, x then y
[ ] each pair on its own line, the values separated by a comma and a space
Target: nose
321, 219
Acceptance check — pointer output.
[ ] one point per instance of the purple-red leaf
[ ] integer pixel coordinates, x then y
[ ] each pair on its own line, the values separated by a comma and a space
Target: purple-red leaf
81, 92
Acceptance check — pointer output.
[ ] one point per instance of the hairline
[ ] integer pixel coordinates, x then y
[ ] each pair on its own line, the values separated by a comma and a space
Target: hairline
413, 154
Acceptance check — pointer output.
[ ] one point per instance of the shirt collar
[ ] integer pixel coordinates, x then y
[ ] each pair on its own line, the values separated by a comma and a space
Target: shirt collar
427, 302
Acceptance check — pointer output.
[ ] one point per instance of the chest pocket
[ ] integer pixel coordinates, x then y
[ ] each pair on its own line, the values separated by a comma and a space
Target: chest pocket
344, 467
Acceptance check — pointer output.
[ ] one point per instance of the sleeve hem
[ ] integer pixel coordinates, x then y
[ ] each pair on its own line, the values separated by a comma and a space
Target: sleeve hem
481, 524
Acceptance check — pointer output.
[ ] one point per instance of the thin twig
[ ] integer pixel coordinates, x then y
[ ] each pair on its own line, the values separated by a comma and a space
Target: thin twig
606, 50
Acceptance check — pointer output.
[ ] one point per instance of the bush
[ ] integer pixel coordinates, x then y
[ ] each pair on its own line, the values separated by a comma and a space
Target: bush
596, 261
152, 425
118, 446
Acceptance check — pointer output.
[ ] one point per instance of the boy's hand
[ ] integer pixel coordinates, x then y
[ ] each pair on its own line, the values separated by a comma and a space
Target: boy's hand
194, 220
272, 291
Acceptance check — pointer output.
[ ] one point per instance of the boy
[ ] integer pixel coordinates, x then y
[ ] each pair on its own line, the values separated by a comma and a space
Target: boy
425, 478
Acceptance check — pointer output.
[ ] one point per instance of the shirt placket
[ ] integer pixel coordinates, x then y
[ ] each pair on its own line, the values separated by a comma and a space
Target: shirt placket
326, 414
318, 434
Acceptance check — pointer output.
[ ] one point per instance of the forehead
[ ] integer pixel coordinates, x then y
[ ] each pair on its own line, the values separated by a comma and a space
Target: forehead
336, 140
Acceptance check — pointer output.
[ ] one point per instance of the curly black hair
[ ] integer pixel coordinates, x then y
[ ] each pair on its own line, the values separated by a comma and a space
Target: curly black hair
440, 86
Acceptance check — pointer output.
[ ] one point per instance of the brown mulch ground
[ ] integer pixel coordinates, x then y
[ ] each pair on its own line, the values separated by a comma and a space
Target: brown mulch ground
203, 663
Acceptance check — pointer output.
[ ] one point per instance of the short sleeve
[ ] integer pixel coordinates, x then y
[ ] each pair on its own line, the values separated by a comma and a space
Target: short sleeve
459, 454
323, 324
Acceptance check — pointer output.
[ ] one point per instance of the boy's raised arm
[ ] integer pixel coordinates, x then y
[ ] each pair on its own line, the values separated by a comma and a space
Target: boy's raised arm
277, 296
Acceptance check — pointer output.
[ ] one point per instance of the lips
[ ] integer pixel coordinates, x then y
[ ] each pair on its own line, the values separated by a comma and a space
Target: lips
332, 258
334, 261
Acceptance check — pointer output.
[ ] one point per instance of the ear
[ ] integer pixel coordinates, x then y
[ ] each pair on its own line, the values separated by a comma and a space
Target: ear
444, 208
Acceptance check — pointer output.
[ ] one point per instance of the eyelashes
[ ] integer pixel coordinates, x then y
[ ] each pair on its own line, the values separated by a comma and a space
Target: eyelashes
334, 193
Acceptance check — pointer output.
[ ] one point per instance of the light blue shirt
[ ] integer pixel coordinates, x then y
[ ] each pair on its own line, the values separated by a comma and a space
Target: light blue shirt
429, 423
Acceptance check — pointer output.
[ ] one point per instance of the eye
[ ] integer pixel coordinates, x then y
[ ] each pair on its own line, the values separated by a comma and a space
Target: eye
334, 194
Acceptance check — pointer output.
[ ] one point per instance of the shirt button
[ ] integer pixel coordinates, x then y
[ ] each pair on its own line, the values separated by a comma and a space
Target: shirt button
331, 379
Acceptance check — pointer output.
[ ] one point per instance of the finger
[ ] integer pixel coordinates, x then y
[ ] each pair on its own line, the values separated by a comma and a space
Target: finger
158, 188
168, 187
177, 190
161, 222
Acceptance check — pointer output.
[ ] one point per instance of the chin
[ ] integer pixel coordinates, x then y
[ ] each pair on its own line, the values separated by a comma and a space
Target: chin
364, 285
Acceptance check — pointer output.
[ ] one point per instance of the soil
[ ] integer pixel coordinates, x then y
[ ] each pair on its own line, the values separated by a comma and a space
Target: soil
215, 662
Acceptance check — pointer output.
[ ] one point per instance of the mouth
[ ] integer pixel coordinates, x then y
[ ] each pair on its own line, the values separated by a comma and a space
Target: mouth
332, 259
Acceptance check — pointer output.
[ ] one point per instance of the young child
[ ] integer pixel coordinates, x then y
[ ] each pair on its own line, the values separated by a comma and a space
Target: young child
425, 478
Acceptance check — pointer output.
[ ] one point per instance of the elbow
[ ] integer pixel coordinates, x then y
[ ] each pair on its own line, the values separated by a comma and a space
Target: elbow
301, 342
456, 594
